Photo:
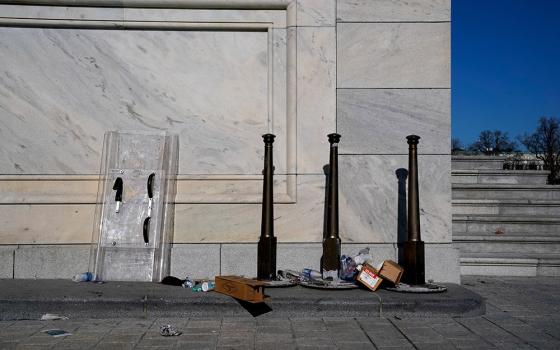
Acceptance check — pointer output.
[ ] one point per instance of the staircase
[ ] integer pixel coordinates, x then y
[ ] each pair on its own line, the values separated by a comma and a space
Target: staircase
505, 222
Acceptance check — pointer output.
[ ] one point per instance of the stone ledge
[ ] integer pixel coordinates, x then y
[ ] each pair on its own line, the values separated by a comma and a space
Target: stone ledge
29, 299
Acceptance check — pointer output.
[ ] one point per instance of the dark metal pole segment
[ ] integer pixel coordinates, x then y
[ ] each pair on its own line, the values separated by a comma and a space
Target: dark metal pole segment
266, 258
413, 248
331, 243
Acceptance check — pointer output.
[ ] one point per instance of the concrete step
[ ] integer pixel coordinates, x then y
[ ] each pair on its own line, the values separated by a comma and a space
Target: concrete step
506, 224
524, 207
505, 191
520, 177
510, 264
29, 299
527, 244
477, 162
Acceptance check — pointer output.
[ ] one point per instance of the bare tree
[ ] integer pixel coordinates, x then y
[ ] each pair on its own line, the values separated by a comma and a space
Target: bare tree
545, 144
456, 146
493, 142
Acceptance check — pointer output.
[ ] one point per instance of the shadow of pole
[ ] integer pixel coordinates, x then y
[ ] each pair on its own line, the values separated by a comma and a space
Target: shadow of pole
402, 223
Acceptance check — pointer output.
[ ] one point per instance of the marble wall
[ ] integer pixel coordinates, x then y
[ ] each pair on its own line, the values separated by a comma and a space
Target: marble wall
374, 71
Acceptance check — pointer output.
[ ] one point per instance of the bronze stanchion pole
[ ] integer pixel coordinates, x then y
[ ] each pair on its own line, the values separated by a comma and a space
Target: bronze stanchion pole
413, 248
266, 258
330, 263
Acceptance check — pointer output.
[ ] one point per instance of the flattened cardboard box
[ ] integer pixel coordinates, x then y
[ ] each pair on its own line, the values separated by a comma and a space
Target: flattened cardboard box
369, 277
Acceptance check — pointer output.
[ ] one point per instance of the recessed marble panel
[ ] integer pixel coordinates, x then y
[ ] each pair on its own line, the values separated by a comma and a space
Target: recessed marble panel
46, 224
377, 121
393, 55
298, 222
316, 12
316, 96
373, 200
60, 90
393, 10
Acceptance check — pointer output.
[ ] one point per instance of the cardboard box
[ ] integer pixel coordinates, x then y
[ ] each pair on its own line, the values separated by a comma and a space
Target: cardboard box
391, 271
241, 288
369, 277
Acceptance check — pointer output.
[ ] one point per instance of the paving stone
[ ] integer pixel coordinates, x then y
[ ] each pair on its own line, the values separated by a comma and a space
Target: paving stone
7, 345
354, 346
285, 338
188, 331
274, 346
314, 342
236, 342
204, 324
114, 346
351, 335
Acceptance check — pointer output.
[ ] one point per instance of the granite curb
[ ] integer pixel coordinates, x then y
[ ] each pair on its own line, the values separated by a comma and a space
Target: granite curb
29, 299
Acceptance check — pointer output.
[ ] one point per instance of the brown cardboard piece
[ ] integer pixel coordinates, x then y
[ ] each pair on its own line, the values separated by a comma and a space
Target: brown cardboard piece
241, 288
391, 271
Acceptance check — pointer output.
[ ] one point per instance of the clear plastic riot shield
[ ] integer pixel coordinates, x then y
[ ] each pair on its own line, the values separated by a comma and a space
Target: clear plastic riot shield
133, 224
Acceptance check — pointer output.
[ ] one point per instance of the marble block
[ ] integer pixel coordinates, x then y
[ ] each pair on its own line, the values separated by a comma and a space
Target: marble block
316, 96
373, 205
7, 261
62, 89
51, 261
393, 10
377, 121
195, 260
239, 259
316, 12
393, 55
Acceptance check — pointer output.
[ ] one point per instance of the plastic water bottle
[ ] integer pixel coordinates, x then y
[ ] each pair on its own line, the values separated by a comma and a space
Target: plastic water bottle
311, 274
83, 277
207, 286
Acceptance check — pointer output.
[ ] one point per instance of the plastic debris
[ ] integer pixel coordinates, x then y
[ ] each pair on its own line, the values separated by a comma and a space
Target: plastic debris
83, 277
208, 286
50, 317
347, 268
57, 333
168, 330
311, 274
189, 283
363, 257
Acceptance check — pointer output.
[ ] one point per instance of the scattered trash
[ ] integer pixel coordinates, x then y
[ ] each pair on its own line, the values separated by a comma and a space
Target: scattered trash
347, 268
363, 257
83, 277
391, 271
57, 333
208, 286
189, 283
172, 281
369, 277
50, 317
311, 274
169, 331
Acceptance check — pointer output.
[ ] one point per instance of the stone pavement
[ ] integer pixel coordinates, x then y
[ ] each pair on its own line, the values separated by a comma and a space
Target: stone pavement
522, 313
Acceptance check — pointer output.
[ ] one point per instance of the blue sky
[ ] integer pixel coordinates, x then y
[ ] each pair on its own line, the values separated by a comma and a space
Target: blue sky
505, 66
